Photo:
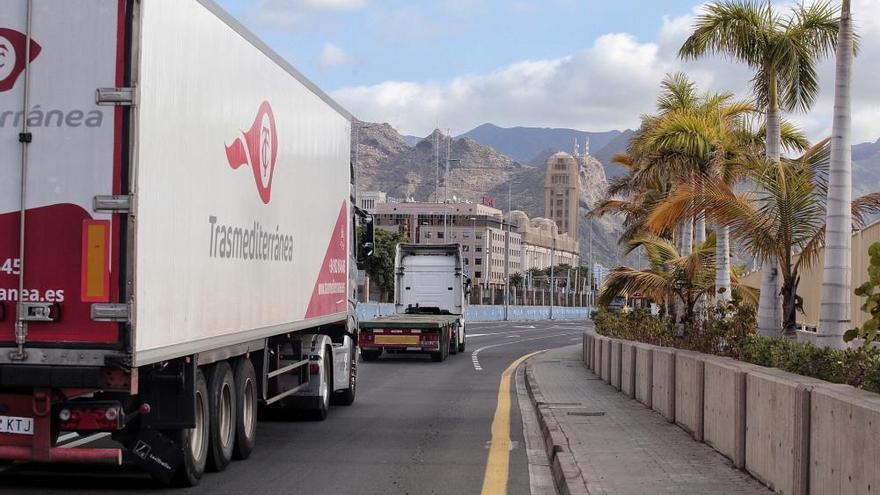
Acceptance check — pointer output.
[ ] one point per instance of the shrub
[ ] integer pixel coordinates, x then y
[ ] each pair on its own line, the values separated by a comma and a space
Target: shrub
731, 332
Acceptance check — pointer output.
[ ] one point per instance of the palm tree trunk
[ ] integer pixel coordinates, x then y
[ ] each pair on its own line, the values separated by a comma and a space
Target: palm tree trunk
687, 237
722, 264
834, 315
769, 310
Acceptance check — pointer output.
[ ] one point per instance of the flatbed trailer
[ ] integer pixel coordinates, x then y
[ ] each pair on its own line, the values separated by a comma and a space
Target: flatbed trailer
434, 334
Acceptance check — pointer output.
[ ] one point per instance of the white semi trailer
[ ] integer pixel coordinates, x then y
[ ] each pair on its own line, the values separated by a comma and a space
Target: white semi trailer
177, 236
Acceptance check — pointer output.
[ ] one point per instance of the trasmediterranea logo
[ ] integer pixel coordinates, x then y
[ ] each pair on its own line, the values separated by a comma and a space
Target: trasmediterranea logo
258, 148
12, 56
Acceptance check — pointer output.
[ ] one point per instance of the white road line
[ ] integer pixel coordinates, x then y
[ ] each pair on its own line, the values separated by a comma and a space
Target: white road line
475, 355
520, 330
85, 440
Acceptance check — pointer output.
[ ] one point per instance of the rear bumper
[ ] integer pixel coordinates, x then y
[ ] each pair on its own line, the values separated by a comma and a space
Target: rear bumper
38, 445
62, 455
400, 347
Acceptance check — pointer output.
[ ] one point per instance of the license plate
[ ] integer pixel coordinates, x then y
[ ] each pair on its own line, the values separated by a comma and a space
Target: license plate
397, 339
16, 425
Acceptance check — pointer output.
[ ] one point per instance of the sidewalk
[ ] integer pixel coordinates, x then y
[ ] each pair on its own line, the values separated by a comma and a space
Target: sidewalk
616, 444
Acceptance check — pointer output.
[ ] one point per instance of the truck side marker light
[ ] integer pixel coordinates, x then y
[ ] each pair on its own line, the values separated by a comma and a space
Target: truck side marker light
95, 286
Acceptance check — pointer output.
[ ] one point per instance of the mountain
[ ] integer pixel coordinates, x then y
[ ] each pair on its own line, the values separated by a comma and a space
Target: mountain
386, 162
527, 144
411, 140
866, 168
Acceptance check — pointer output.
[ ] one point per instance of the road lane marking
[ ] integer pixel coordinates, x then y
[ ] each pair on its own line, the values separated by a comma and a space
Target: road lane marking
475, 355
498, 462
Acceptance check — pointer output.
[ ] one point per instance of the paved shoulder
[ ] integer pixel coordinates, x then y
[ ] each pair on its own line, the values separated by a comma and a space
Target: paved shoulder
620, 446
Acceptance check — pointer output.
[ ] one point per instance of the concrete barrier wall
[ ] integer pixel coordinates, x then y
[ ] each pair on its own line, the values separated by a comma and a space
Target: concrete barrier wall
777, 428
606, 360
844, 441
663, 382
585, 349
724, 407
476, 312
628, 369
689, 392
644, 373
615, 364
795, 434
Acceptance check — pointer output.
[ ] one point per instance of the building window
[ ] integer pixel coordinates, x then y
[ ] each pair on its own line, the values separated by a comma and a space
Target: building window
479, 249
427, 235
466, 235
465, 249
466, 261
440, 235
478, 274
479, 235
478, 261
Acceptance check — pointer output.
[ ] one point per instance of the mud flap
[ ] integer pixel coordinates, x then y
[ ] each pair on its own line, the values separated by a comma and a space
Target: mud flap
156, 454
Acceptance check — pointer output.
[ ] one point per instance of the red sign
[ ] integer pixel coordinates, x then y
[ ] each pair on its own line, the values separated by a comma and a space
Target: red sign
489, 201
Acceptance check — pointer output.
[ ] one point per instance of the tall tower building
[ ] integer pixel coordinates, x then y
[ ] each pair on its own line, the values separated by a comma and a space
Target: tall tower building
562, 191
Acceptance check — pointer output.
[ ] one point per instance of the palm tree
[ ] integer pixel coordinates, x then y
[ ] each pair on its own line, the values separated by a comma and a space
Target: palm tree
783, 53
670, 277
783, 216
834, 315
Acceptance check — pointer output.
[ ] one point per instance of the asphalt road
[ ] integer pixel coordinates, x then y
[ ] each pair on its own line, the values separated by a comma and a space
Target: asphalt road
416, 427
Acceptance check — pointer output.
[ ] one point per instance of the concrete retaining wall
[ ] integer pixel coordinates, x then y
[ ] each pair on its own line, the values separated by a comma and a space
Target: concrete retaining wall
689, 392
663, 382
628, 369
844, 446
724, 407
644, 373
605, 372
615, 364
777, 428
795, 434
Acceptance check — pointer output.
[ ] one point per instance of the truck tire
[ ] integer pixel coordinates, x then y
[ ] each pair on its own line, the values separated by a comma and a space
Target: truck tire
440, 356
245, 408
461, 342
194, 441
346, 397
453, 346
371, 355
221, 395
323, 408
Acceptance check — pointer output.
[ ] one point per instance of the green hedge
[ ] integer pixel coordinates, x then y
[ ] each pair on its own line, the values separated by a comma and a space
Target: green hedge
857, 367
734, 336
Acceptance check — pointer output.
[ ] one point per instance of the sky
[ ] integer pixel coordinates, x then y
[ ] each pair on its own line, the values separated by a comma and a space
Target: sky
592, 65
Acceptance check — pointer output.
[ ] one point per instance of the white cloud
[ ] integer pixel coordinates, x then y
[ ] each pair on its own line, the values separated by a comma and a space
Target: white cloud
606, 86
333, 56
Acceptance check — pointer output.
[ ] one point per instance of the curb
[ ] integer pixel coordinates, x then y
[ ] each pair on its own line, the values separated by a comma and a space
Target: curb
567, 476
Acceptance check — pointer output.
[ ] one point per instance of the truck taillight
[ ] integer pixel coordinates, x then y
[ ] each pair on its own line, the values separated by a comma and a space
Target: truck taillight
75, 418
430, 337
314, 369
366, 337
95, 284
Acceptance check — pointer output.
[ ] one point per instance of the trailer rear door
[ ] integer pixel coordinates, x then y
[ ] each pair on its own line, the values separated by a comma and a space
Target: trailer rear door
59, 149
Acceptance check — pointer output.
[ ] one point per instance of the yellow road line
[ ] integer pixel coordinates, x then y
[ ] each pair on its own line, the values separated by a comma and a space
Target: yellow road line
497, 465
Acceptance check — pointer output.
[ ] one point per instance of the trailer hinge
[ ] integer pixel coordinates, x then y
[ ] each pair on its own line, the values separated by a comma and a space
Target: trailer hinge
112, 204
110, 312
115, 96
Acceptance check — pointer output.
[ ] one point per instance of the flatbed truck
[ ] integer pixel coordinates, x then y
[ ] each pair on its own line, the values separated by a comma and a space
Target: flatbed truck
430, 288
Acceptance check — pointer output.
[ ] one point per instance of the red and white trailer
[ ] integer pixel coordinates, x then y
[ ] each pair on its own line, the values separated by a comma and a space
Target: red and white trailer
176, 234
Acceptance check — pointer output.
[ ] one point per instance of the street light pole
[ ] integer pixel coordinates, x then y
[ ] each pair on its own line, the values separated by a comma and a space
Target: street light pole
507, 259
552, 276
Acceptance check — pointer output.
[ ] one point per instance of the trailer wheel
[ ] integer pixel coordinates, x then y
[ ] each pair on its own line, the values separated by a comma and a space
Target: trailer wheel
221, 392
371, 355
194, 441
440, 356
245, 408
461, 341
324, 399
346, 397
